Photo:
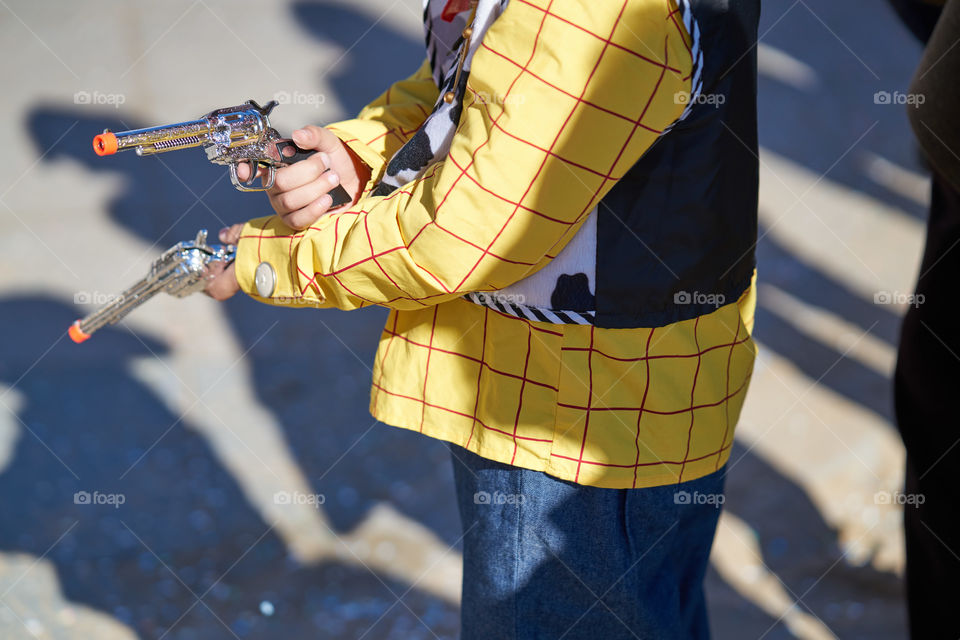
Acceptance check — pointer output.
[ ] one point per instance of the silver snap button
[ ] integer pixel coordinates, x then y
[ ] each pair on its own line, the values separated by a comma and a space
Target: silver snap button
265, 278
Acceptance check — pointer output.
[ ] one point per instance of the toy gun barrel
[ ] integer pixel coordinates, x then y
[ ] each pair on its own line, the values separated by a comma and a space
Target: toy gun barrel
116, 310
231, 136
150, 140
183, 269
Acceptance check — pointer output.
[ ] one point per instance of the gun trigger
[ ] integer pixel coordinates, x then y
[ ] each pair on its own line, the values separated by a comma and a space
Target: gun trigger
252, 166
234, 178
271, 176
245, 186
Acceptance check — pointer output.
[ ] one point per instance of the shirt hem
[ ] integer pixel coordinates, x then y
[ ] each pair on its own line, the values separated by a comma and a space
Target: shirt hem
642, 481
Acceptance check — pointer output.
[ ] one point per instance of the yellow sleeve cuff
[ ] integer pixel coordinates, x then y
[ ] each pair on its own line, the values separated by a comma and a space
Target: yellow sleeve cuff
268, 241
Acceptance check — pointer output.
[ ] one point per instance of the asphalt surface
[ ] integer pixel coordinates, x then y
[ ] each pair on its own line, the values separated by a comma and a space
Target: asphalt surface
185, 422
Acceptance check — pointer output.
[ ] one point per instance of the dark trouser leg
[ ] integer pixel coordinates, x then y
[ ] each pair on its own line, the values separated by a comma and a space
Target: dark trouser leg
926, 385
545, 558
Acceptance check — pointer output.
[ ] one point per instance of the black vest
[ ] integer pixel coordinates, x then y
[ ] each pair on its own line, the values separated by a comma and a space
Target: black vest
692, 198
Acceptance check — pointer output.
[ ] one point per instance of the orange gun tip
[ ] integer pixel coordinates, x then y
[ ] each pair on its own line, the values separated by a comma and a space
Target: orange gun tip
105, 144
76, 333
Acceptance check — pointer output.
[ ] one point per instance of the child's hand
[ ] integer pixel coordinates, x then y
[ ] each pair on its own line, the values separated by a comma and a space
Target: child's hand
224, 284
299, 193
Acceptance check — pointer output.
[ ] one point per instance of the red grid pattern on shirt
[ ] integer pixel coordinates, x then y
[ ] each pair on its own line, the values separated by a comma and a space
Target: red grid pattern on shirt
654, 463
483, 363
726, 408
693, 391
523, 385
579, 100
593, 105
595, 356
483, 353
599, 37
557, 137
660, 412
643, 403
464, 171
457, 413
595, 405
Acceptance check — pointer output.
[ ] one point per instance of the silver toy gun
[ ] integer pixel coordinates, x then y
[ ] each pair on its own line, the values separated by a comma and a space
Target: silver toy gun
230, 136
183, 269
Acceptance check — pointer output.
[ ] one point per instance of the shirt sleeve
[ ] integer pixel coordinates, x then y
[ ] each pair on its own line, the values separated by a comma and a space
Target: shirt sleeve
563, 97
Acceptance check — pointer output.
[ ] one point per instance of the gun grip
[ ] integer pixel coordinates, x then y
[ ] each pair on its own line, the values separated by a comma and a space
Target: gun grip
289, 153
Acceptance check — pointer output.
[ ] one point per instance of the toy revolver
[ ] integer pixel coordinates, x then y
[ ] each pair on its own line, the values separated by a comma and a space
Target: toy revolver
183, 269
230, 136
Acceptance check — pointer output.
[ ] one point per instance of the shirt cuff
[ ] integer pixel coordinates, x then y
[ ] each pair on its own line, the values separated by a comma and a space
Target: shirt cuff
266, 265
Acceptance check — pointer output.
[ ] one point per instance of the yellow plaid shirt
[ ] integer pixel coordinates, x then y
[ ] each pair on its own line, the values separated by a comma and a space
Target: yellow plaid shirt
564, 96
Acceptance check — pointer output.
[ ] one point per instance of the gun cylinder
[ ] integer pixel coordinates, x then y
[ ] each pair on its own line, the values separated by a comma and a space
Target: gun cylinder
181, 135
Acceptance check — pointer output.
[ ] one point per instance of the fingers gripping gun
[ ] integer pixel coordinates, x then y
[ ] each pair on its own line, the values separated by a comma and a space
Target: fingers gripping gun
183, 269
230, 136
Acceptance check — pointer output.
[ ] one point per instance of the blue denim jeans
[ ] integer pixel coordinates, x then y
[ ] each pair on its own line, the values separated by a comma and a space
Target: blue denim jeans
546, 558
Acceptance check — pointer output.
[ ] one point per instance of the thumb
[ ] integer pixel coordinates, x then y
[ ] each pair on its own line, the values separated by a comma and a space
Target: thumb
311, 137
231, 234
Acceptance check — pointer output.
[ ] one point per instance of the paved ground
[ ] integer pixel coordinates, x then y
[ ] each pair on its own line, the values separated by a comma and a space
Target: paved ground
199, 414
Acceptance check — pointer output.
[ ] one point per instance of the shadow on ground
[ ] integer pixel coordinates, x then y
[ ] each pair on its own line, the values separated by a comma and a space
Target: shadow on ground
184, 522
